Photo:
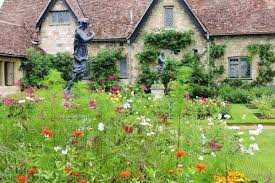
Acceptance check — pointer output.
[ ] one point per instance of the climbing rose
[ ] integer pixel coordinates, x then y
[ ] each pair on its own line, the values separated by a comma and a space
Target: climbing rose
201, 166
180, 153
76, 174
22, 179
125, 174
78, 133
92, 104
47, 133
68, 169
32, 172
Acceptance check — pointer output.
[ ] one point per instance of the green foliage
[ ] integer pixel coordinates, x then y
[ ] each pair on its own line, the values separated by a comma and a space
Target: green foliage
147, 76
104, 65
235, 95
267, 58
264, 105
216, 51
169, 39
170, 72
148, 55
37, 65
54, 78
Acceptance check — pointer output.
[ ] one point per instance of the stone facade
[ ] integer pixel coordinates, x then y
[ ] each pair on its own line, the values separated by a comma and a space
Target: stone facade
8, 87
57, 38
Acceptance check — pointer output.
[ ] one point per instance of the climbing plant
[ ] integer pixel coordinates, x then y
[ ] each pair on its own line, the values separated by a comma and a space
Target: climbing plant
267, 58
215, 53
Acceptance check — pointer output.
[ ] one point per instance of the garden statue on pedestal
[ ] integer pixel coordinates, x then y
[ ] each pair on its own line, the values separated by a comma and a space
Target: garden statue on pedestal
80, 53
157, 88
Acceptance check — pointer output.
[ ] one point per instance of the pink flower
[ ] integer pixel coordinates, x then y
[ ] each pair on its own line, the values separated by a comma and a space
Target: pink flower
67, 104
92, 104
67, 96
187, 95
29, 91
115, 89
8, 102
119, 109
145, 88
203, 99
19, 83
112, 77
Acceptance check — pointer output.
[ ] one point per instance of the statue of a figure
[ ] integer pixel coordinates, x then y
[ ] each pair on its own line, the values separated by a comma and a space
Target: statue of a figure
80, 53
161, 65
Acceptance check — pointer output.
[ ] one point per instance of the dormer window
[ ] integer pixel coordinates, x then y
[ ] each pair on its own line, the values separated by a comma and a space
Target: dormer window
169, 17
60, 17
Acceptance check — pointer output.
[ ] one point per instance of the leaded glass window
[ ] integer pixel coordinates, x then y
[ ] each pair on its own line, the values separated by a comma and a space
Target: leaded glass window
239, 68
168, 17
9, 73
123, 68
60, 17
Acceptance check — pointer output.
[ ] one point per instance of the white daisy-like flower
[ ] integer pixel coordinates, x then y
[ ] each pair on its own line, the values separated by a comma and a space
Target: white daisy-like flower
252, 138
126, 106
57, 148
213, 154
240, 133
200, 158
210, 122
161, 128
227, 116
240, 140
150, 134
64, 152
219, 116
21, 101
100, 127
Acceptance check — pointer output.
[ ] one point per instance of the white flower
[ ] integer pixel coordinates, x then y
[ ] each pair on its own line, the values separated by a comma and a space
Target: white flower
240, 140
219, 116
150, 134
21, 101
252, 138
100, 127
126, 106
64, 152
57, 148
203, 139
227, 116
260, 127
254, 132
223, 104
240, 133
254, 147
210, 122
213, 154
161, 128
130, 100
200, 158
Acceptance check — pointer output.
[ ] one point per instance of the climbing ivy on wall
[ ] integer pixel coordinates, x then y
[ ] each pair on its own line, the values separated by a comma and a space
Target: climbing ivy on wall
164, 39
215, 53
267, 58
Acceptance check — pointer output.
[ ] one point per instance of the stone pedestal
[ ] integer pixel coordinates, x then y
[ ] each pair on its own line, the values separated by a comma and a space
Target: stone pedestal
157, 91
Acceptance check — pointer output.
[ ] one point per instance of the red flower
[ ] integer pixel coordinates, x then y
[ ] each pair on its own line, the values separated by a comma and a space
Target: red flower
47, 133
92, 104
8, 102
115, 89
78, 133
180, 153
129, 129
125, 174
201, 166
29, 91
119, 109
112, 77
67, 104
214, 145
19, 83
76, 174
83, 181
68, 169
32, 172
203, 99
22, 179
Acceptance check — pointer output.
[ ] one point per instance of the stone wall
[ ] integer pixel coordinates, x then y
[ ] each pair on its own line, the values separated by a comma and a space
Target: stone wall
237, 46
57, 38
8, 90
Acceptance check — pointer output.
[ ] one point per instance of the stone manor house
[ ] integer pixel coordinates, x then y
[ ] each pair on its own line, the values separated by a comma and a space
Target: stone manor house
50, 24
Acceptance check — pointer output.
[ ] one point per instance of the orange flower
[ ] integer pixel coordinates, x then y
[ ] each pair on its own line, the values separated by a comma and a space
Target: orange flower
201, 166
76, 174
83, 181
22, 179
47, 133
125, 174
32, 172
78, 133
180, 153
171, 172
68, 169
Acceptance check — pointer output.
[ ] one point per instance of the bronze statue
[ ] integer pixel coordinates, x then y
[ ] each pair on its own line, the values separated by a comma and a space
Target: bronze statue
80, 53
161, 65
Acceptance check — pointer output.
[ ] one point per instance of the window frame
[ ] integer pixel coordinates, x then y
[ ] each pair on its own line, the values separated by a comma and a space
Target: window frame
51, 22
126, 64
239, 68
173, 17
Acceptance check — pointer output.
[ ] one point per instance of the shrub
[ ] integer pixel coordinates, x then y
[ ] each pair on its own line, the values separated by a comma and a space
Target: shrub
148, 56
258, 92
264, 105
235, 95
205, 91
62, 62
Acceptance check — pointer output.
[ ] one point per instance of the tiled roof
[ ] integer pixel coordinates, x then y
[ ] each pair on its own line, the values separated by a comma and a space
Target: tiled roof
13, 43
222, 17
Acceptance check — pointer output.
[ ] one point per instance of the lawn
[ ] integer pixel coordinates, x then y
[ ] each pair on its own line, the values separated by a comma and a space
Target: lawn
239, 110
